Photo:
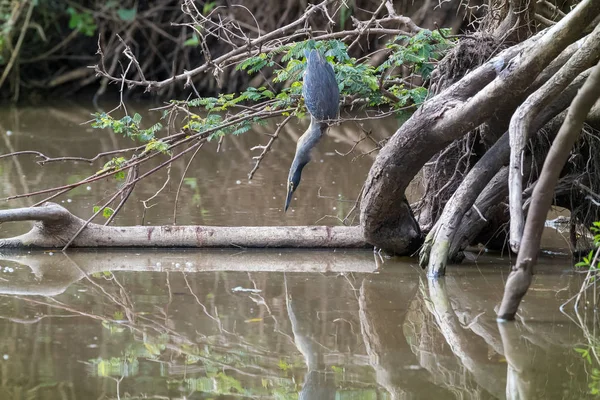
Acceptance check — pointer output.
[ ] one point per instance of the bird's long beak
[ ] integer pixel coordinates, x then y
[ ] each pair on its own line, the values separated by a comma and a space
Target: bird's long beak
288, 200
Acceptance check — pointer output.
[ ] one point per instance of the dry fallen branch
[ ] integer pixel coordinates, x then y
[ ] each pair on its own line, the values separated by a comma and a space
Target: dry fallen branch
55, 226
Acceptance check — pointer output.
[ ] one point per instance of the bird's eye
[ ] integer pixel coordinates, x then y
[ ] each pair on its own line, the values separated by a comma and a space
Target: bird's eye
290, 185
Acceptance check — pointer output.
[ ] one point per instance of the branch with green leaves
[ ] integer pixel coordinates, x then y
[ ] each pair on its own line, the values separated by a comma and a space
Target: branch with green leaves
393, 86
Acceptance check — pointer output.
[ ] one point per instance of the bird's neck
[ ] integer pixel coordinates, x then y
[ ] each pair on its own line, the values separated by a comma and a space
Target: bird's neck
314, 124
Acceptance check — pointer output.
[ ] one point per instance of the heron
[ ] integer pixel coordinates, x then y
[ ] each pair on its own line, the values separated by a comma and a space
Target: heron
322, 99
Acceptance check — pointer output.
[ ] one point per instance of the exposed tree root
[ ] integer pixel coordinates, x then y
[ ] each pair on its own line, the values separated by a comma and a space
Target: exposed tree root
464, 197
497, 84
56, 226
520, 278
521, 129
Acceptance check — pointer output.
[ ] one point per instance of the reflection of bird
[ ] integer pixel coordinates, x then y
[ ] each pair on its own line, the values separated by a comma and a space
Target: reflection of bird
322, 99
319, 384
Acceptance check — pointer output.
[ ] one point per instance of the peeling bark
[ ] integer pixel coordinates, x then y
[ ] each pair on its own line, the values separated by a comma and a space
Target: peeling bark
55, 226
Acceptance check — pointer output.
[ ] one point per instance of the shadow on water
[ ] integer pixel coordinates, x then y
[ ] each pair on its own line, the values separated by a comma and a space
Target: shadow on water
277, 325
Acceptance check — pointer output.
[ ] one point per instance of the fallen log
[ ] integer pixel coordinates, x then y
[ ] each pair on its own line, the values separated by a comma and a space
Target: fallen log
55, 226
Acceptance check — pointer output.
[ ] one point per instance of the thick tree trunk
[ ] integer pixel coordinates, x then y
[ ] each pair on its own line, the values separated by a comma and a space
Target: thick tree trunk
56, 226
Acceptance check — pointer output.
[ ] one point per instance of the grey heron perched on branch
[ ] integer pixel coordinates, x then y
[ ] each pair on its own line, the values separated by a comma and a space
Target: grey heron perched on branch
322, 99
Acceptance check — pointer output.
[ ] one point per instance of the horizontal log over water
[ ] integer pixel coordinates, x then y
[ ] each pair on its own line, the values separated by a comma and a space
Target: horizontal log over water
54, 227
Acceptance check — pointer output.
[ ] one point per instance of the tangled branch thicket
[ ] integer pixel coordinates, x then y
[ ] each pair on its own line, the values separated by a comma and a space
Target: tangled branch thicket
46, 46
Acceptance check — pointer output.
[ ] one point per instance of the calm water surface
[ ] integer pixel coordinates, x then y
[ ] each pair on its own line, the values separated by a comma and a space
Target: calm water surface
315, 325
278, 325
216, 189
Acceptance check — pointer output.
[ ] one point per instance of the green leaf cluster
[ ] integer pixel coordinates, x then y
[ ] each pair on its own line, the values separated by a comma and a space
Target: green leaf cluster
193, 41
107, 212
114, 164
229, 100
127, 126
588, 261
214, 122
594, 373
420, 52
115, 366
157, 145
595, 229
82, 21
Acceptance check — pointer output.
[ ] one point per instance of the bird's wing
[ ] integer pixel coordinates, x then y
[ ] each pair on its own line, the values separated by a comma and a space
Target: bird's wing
320, 90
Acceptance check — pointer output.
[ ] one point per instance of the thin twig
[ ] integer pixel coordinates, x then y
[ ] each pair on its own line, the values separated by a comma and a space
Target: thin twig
181, 183
268, 146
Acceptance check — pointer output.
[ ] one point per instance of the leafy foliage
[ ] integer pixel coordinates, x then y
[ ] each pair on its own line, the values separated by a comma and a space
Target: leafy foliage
594, 373
82, 21
588, 261
130, 127
375, 86
114, 164
421, 51
107, 212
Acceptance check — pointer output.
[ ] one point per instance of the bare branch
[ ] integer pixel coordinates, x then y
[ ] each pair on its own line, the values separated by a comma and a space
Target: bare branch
268, 146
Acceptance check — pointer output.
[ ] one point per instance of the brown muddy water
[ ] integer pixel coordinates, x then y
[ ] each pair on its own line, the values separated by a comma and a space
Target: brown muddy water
318, 325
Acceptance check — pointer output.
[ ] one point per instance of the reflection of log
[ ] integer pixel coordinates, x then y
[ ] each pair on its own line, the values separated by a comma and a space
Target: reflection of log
54, 273
468, 347
55, 226
520, 363
382, 313
433, 353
